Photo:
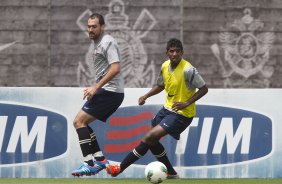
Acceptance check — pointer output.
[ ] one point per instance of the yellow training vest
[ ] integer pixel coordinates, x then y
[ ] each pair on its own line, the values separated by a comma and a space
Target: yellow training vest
176, 89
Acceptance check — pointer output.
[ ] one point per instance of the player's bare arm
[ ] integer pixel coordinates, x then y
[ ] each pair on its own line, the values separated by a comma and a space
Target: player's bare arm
114, 69
199, 94
155, 90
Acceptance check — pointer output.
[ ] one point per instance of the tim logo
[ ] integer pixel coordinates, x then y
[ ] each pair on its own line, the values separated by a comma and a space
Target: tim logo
29, 134
218, 135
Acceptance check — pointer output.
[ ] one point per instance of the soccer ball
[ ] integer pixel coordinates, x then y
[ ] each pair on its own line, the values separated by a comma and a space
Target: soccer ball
156, 172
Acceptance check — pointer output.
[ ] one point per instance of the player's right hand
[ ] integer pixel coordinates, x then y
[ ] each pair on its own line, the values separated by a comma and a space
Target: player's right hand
142, 100
89, 92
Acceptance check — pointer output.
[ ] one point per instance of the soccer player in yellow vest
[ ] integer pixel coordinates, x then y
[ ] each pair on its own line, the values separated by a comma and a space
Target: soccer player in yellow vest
180, 80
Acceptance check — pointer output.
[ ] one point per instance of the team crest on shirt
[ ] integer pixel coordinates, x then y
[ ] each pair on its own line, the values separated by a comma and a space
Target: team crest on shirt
245, 52
137, 70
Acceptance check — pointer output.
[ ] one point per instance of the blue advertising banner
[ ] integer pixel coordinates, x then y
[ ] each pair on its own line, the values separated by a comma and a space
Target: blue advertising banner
31, 134
229, 137
217, 136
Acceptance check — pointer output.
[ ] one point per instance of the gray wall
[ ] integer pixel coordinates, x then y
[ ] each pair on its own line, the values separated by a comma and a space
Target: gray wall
232, 43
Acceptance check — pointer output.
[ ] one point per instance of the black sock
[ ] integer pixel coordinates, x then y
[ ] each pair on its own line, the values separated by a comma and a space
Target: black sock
95, 145
101, 158
94, 142
160, 153
133, 156
89, 162
85, 141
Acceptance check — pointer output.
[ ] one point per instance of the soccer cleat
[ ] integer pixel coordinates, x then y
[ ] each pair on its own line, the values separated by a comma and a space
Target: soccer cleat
174, 176
113, 170
88, 170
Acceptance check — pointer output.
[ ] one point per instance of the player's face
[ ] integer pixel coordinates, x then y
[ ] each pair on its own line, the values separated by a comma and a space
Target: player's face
175, 55
94, 29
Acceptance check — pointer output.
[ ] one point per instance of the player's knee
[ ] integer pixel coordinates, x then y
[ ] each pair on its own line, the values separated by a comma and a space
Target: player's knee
150, 138
77, 124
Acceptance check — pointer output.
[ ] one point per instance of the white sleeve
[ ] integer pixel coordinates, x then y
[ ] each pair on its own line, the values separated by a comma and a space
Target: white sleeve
193, 78
160, 79
113, 53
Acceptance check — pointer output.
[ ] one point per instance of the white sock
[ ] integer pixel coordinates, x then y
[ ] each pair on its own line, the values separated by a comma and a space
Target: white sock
98, 154
88, 157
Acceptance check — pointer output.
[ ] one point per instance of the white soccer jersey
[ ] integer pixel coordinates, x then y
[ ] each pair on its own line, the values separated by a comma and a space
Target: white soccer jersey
107, 52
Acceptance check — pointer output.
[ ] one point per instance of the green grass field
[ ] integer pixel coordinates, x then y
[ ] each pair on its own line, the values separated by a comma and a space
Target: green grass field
135, 181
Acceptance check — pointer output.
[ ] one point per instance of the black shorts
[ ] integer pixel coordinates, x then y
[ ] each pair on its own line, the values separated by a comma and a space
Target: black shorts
103, 104
173, 123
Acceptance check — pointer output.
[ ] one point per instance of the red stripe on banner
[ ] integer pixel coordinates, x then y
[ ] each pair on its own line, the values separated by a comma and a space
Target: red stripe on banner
125, 134
121, 121
119, 148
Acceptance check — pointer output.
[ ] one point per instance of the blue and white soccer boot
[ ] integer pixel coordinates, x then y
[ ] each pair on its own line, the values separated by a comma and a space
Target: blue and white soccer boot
88, 170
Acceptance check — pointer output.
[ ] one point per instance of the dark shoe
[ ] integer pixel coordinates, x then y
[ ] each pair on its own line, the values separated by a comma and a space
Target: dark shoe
169, 176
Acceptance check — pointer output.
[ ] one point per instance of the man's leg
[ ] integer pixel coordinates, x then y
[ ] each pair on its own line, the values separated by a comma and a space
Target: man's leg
159, 152
89, 146
85, 143
151, 138
132, 157
96, 151
174, 125
135, 155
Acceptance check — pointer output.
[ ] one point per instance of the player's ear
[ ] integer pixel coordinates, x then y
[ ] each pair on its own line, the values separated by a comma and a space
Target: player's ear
103, 27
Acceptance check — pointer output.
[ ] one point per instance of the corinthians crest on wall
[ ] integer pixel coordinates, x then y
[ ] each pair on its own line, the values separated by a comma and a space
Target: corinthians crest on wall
137, 70
243, 53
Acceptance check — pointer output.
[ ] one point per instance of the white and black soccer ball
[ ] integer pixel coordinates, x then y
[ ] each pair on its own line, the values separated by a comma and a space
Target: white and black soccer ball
156, 172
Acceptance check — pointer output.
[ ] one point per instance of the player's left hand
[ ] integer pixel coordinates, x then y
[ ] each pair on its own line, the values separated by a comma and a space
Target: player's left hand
179, 106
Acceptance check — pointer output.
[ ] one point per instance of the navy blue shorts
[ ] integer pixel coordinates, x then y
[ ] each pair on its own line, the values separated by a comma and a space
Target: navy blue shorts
173, 123
103, 104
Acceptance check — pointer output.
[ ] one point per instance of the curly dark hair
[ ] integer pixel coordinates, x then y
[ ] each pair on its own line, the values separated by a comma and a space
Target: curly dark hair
173, 42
